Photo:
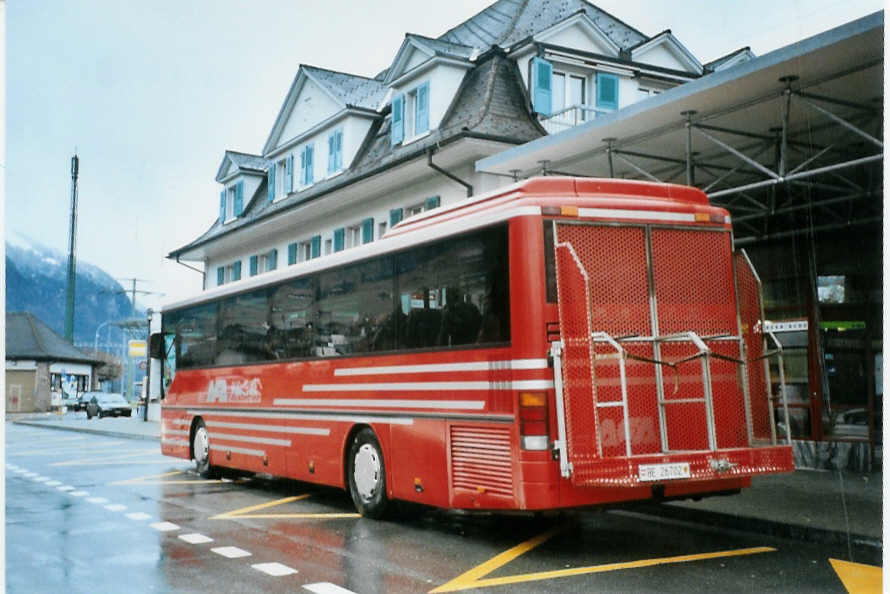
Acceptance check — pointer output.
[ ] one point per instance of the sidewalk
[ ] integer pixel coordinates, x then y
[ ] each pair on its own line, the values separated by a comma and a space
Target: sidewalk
812, 505
127, 427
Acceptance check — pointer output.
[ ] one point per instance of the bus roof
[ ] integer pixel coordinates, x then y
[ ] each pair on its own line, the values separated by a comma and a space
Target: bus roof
523, 198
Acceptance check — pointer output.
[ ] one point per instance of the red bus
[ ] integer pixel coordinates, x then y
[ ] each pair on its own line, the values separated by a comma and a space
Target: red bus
557, 343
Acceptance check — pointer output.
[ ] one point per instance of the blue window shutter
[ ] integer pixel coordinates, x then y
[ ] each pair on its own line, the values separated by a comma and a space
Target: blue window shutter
220, 275
431, 203
541, 84
422, 121
303, 167
606, 90
272, 260
332, 156
339, 239
292, 254
290, 173
236, 270
271, 188
368, 230
338, 139
253, 266
398, 120
309, 165
222, 206
239, 199
316, 247
395, 216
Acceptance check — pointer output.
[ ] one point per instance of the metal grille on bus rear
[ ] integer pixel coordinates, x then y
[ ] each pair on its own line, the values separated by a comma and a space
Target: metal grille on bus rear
480, 459
750, 312
692, 271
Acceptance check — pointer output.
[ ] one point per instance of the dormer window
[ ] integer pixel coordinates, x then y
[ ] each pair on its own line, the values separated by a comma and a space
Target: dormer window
411, 114
284, 182
231, 202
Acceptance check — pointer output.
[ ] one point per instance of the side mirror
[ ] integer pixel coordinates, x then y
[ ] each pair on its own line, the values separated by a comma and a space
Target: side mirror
156, 346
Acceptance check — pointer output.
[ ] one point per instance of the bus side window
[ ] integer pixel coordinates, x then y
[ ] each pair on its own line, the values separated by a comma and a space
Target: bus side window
292, 319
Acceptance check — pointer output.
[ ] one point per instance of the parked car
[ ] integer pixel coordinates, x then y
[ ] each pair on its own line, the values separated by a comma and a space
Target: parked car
102, 404
81, 400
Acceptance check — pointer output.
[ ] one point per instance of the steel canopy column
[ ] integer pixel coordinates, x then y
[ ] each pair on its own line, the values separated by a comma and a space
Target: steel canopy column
690, 171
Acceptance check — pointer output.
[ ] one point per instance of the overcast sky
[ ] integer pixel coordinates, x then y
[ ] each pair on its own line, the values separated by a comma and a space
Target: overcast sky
152, 93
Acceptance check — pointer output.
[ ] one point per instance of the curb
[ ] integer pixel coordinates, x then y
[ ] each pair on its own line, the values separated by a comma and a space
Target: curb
761, 526
106, 433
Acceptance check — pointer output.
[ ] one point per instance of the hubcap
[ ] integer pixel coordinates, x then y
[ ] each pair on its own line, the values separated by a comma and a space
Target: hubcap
366, 471
201, 445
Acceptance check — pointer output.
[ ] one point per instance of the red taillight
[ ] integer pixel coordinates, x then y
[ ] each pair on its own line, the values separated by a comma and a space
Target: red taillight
533, 425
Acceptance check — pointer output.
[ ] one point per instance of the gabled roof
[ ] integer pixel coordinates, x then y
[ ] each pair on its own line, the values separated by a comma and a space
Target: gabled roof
243, 161
507, 22
351, 90
666, 38
739, 56
431, 48
490, 103
29, 338
347, 90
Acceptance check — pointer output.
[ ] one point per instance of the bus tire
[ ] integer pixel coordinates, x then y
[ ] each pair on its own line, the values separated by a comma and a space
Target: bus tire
366, 475
201, 450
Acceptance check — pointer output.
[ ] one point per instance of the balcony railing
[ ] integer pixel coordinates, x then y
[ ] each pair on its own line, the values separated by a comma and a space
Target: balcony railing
570, 117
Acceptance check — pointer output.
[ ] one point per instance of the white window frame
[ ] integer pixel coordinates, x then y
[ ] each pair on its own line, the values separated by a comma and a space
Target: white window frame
304, 251
410, 211
281, 178
381, 229
353, 236
328, 246
230, 203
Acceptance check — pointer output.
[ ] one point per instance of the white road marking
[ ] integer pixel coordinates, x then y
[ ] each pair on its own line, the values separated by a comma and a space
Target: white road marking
97, 500
65, 488
53, 483
115, 507
164, 526
274, 569
326, 588
79, 493
195, 538
231, 552
138, 516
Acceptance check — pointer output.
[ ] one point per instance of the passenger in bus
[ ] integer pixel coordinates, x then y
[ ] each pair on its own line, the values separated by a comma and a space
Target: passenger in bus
461, 319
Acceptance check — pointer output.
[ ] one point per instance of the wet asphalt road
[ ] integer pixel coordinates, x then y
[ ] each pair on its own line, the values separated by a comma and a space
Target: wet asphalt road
87, 513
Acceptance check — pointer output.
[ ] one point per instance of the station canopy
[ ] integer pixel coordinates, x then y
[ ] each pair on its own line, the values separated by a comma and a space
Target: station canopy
790, 142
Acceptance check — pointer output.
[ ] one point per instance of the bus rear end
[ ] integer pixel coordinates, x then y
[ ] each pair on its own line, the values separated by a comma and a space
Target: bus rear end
660, 367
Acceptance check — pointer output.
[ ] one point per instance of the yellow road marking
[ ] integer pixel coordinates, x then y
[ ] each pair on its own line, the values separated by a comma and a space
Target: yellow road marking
117, 458
856, 577
475, 578
244, 512
147, 480
57, 451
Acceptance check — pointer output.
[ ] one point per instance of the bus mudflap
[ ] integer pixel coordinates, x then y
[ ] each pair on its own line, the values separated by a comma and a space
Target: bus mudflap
661, 359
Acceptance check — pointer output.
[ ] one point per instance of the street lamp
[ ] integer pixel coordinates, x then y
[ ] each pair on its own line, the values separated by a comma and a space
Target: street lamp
96, 341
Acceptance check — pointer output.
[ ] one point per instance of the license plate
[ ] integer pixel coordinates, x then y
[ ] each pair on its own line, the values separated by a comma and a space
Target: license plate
661, 472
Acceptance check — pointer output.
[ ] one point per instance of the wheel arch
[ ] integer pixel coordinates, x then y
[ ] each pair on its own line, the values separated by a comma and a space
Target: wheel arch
192, 429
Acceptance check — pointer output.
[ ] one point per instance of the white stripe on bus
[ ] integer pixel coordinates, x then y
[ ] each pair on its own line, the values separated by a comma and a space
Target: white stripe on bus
174, 432
176, 442
302, 416
431, 386
272, 428
445, 367
234, 450
247, 438
433, 404
636, 215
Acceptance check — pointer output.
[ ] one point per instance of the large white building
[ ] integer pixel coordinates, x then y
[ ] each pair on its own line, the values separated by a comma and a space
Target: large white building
348, 156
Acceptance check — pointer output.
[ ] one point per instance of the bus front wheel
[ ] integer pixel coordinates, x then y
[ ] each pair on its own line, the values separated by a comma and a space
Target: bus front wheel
366, 475
201, 450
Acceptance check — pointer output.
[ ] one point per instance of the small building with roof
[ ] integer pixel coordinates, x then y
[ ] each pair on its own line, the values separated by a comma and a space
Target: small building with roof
40, 363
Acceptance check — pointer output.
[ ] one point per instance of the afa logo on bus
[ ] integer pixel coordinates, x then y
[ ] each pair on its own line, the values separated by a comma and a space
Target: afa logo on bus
234, 389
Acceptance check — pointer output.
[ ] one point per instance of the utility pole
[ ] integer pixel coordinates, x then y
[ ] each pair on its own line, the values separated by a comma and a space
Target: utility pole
133, 292
72, 267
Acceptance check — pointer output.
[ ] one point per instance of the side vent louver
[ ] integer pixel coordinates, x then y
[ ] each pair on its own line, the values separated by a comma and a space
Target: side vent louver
480, 459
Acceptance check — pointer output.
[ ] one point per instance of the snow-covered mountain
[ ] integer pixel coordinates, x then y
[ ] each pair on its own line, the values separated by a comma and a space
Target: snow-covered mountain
35, 282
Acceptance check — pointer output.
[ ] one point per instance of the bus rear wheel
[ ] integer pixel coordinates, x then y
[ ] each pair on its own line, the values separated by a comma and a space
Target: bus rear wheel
201, 450
366, 475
